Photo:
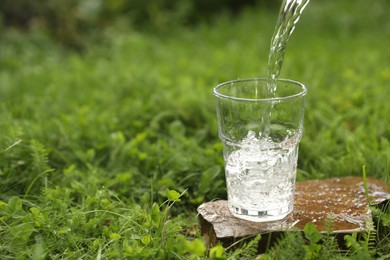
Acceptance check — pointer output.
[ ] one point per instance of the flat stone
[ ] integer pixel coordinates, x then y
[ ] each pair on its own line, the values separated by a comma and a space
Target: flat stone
339, 201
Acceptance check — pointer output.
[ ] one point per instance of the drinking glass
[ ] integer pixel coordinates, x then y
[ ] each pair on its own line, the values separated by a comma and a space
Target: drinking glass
260, 130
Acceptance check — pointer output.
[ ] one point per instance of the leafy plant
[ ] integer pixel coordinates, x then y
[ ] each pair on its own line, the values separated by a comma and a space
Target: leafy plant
248, 250
313, 250
97, 147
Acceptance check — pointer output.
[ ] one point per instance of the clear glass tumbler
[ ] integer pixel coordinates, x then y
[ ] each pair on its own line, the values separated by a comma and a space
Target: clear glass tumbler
260, 133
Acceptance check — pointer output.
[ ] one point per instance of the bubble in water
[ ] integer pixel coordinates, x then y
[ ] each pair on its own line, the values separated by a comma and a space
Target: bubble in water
260, 176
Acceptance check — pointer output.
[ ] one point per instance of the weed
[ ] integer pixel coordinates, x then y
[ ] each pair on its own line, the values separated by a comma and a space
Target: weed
97, 148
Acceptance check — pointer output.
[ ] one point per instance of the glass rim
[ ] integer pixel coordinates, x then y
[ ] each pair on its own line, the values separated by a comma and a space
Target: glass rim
271, 99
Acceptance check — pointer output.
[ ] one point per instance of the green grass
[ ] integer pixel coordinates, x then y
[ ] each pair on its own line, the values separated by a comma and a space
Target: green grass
94, 145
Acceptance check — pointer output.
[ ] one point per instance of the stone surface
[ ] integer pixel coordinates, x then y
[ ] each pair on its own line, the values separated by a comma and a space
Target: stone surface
343, 200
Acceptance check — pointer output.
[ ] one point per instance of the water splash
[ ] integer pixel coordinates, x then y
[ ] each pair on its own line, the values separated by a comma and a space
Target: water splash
289, 15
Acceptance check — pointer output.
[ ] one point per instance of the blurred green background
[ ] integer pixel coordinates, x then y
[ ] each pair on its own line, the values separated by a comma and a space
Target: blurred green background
67, 21
104, 105
126, 86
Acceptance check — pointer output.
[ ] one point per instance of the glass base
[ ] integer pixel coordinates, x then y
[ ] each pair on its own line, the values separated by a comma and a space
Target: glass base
261, 216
